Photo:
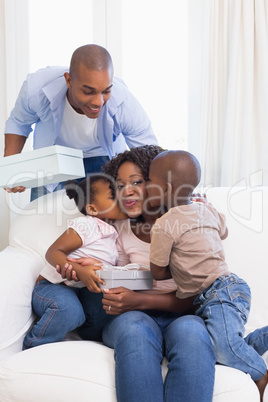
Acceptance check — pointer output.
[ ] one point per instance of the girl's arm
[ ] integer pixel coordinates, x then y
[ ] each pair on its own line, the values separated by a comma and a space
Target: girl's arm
122, 300
57, 254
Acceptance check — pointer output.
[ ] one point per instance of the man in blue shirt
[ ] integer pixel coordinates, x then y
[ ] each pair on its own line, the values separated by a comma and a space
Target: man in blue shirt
83, 107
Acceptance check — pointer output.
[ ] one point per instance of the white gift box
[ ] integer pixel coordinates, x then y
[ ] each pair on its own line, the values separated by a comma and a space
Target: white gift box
134, 279
42, 166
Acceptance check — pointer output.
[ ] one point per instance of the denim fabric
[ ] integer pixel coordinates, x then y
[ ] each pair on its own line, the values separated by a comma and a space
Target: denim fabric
96, 317
258, 339
91, 165
60, 310
141, 340
225, 307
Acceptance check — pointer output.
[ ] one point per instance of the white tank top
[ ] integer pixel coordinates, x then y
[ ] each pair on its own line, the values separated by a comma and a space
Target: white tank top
79, 131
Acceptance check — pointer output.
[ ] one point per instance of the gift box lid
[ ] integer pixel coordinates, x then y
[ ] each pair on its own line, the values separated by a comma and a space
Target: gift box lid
135, 279
40, 153
40, 167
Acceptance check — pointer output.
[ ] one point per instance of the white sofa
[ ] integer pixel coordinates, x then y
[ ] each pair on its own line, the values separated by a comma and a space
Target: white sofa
76, 370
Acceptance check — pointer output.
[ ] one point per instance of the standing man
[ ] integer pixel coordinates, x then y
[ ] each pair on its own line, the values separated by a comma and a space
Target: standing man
84, 107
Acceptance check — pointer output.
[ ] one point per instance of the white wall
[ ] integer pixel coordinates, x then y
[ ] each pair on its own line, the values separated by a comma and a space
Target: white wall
195, 70
56, 28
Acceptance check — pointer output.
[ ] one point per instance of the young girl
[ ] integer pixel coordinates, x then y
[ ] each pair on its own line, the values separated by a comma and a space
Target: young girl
57, 305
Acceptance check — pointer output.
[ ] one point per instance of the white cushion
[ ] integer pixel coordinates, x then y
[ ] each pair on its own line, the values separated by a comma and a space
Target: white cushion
19, 269
84, 371
42, 222
31, 233
67, 371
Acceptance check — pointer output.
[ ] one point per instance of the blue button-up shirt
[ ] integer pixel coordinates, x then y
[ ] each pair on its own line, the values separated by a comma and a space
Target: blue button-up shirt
122, 121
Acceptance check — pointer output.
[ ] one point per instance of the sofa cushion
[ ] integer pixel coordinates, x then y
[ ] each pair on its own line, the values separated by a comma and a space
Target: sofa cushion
21, 267
84, 371
67, 371
42, 222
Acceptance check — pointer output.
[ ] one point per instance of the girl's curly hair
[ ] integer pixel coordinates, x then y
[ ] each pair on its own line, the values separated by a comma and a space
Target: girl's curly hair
142, 156
84, 192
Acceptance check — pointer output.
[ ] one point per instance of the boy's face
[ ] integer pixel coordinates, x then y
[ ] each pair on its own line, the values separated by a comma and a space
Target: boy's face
156, 186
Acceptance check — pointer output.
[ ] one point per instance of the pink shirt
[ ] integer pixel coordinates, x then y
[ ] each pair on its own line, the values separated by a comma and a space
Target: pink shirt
131, 249
98, 241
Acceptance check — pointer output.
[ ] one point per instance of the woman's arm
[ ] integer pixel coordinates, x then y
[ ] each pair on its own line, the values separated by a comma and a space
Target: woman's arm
122, 300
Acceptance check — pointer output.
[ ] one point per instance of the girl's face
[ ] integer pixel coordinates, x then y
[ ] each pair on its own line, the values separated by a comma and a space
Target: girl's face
105, 206
131, 189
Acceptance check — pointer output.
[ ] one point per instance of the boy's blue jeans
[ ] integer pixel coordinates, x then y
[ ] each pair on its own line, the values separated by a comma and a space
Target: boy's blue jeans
59, 310
225, 307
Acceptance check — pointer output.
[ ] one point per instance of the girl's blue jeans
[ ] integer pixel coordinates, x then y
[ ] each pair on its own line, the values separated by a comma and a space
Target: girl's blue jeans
225, 307
59, 310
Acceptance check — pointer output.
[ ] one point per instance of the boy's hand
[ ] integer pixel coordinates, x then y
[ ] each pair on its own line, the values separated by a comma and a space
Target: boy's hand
198, 197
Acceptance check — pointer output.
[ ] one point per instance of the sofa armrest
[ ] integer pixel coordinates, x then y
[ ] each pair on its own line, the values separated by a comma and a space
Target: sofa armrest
19, 269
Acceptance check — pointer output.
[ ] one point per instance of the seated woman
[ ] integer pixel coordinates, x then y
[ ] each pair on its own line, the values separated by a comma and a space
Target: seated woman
144, 327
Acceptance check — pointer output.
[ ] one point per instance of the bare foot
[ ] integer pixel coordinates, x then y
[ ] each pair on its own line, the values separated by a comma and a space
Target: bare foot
261, 384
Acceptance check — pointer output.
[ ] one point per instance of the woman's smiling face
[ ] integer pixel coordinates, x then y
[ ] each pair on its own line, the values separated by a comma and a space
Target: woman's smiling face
131, 189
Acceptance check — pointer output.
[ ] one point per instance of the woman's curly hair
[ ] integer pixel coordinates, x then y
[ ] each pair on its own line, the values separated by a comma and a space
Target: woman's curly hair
142, 156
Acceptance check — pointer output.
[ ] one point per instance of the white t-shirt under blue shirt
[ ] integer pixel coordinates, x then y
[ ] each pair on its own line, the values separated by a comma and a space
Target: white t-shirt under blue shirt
79, 131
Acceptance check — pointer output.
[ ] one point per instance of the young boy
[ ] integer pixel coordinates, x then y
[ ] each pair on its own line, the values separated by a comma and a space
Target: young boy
186, 245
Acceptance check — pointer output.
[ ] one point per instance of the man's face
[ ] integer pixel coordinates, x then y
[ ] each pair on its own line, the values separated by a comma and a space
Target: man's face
89, 90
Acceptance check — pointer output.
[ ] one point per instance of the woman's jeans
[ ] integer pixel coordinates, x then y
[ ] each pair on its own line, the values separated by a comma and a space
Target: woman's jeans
141, 340
224, 307
59, 310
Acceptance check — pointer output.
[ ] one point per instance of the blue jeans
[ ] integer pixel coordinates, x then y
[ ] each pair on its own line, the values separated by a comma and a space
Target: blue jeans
91, 165
258, 339
141, 340
59, 310
225, 307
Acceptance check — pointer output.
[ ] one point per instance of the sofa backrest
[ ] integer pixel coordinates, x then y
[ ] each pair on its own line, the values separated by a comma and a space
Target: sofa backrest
246, 211
42, 222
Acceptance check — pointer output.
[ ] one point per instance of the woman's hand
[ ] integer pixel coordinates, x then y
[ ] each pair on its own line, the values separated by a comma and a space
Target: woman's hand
85, 261
67, 272
119, 300
86, 274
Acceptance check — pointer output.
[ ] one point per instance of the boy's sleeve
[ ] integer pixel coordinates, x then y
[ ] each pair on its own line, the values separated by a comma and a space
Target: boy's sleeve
223, 228
161, 246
